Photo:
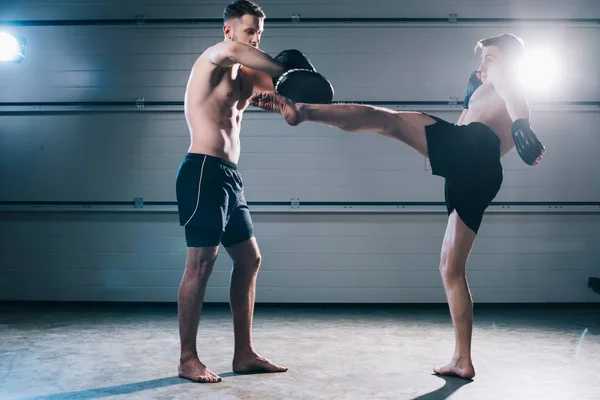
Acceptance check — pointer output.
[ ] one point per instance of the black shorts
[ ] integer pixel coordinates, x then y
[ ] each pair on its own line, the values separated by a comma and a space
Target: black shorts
468, 157
211, 203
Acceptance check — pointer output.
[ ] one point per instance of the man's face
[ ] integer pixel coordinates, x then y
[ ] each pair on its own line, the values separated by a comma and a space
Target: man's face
490, 57
247, 29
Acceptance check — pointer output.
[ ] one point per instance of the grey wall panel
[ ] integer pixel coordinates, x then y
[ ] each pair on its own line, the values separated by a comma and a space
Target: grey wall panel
87, 9
308, 258
98, 155
119, 156
374, 63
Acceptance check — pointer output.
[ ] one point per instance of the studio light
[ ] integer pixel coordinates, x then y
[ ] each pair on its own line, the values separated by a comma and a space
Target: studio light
12, 49
539, 69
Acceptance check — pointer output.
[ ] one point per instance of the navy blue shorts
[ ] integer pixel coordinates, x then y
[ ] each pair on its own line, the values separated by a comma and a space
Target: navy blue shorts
211, 203
468, 157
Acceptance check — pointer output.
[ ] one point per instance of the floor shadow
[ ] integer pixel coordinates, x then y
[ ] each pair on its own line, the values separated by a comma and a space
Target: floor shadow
231, 373
452, 385
113, 390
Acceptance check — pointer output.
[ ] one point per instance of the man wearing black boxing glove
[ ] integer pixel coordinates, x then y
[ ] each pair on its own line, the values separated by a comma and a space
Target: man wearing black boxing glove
467, 154
301, 82
501, 72
209, 189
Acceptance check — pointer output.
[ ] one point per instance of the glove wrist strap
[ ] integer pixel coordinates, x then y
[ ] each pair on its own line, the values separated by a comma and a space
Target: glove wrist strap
286, 73
520, 125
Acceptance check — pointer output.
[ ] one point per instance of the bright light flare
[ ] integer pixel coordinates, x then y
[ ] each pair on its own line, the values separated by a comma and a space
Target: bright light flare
11, 48
539, 69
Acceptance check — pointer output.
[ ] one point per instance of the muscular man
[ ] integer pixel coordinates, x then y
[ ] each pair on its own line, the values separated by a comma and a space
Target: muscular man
209, 187
466, 154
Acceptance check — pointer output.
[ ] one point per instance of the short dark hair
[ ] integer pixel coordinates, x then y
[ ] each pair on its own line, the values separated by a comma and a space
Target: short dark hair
510, 45
239, 8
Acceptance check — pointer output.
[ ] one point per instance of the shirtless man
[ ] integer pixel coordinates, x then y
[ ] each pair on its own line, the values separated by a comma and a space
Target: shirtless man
466, 154
209, 187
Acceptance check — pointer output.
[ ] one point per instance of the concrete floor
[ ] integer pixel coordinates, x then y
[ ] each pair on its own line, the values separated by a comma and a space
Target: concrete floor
84, 351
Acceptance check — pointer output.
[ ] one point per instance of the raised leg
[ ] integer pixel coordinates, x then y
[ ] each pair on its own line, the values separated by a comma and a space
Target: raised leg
406, 126
456, 247
198, 267
246, 263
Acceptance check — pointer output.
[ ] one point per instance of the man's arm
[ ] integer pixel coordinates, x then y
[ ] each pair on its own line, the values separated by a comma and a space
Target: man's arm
514, 99
528, 146
263, 82
225, 54
472, 85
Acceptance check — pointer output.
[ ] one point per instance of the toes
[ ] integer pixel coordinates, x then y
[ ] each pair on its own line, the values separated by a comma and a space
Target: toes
215, 376
259, 366
454, 371
206, 376
447, 370
280, 368
273, 367
210, 378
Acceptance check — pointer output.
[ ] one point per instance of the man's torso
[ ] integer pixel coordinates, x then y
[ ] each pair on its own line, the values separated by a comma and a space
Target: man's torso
215, 100
487, 107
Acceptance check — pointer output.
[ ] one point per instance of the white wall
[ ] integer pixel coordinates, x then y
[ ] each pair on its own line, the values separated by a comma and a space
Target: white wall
307, 258
88, 155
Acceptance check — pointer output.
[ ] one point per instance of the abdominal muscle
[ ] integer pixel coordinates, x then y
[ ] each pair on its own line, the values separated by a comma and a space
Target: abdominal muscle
216, 138
214, 122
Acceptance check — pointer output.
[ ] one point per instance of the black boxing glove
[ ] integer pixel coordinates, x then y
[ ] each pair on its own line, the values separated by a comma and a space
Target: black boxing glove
527, 144
474, 83
300, 82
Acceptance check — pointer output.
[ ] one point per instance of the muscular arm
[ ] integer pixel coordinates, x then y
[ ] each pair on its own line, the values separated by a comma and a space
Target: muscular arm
263, 82
514, 98
228, 53
528, 146
510, 90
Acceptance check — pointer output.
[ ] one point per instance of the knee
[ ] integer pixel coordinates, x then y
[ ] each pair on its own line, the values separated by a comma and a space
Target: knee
250, 264
451, 269
254, 262
201, 262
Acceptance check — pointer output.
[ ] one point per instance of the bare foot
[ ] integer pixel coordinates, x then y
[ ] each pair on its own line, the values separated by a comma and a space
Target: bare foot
195, 371
271, 101
255, 364
462, 369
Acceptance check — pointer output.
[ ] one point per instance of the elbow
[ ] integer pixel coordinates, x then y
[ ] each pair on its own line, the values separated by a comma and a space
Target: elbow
231, 50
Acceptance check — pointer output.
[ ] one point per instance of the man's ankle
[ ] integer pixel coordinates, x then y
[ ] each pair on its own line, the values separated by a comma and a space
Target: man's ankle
244, 351
187, 356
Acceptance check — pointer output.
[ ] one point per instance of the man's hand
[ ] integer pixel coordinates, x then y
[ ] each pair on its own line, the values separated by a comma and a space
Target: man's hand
528, 146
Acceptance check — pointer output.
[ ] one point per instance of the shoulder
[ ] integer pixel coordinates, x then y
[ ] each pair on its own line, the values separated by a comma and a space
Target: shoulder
204, 60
